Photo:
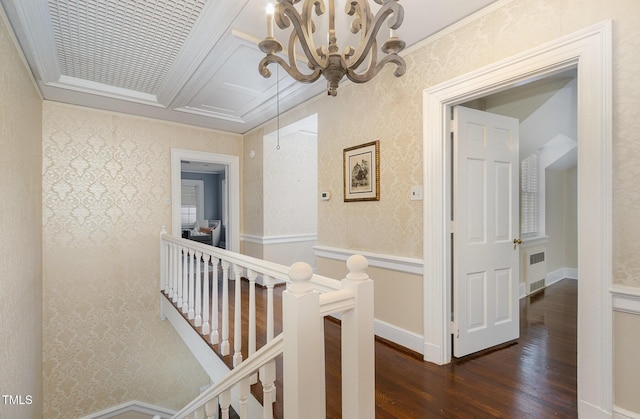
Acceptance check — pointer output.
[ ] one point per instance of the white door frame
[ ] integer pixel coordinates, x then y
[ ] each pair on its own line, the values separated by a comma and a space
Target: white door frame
233, 183
590, 51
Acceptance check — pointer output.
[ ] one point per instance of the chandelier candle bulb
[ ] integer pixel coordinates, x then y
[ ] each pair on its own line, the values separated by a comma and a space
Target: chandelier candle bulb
270, 11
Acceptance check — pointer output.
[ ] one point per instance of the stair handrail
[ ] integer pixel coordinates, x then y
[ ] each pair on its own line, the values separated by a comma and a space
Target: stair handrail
249, 366
321, 283
307, 299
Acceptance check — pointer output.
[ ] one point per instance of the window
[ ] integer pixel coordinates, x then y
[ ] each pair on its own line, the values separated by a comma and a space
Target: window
192, 202
530, 196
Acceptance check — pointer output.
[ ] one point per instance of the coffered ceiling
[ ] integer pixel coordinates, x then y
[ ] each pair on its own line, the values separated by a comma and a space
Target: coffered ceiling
189, 61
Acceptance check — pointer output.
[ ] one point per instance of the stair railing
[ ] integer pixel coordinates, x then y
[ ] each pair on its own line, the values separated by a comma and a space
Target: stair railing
187, 268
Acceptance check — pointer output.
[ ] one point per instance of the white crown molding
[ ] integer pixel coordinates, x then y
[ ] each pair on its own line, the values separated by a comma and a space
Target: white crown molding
91, 87
394, 263
35, 28
626, 299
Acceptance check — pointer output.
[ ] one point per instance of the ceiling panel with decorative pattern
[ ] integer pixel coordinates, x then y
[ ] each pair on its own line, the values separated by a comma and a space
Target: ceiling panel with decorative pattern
189, 61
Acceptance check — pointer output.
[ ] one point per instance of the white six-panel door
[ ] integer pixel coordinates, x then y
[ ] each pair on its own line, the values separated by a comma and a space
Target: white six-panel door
485, 224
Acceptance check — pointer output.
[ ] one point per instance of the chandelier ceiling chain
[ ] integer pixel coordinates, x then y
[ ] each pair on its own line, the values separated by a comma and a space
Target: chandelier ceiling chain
359, 64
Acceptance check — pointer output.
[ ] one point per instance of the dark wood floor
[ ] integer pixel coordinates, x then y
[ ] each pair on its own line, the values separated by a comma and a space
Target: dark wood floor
534, 377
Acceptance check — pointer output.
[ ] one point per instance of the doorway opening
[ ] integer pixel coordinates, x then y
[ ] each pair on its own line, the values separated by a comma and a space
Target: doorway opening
542, 183
220, 173
589, 51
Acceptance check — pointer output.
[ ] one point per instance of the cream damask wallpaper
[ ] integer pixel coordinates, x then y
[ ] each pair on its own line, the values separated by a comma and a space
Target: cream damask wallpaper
20, 237
106, 182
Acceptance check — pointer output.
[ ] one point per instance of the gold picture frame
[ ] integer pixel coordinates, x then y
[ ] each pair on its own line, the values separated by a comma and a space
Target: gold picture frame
361, 172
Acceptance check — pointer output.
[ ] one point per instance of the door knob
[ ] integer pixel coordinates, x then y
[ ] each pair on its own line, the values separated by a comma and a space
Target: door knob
516, 242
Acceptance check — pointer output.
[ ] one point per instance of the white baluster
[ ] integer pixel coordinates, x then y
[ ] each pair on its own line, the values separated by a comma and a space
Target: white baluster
251, 276
358, 357
224, 347
198, 284
182, 288
215, 337
268, 378
303, 359
225, 402
176, 272
211, 408
192, 282
268, 372
237, 318
270, 283
163, 261
206, 296
198, 414
243, 396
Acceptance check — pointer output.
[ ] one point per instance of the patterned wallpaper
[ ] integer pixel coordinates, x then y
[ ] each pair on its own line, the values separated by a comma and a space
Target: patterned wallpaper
105, 187
390, 110
20, 235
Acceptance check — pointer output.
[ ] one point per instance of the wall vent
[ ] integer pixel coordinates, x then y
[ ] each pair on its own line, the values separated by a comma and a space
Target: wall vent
535, 270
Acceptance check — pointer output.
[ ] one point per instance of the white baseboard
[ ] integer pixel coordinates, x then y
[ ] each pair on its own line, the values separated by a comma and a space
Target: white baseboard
132, 406
397, 335
560, 274
620, 413
522, 291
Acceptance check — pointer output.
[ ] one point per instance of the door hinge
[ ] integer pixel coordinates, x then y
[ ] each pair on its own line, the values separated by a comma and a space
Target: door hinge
454, 330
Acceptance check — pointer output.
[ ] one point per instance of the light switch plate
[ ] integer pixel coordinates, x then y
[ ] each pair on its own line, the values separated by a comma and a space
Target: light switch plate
416, 193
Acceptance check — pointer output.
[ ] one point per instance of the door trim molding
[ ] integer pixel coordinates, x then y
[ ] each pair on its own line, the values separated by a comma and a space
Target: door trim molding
590, 51
233, 183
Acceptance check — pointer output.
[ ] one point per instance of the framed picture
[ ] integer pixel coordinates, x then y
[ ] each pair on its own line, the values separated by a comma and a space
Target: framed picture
362, 172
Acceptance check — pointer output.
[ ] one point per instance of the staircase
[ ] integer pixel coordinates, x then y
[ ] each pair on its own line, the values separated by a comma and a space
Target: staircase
256, 372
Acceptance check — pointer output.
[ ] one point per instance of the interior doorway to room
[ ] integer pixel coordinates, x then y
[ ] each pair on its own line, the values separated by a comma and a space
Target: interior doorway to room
218, 173
204, 202
502, 249
588, 50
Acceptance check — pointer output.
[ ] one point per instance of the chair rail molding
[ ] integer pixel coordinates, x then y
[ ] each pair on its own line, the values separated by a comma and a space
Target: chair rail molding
394, 263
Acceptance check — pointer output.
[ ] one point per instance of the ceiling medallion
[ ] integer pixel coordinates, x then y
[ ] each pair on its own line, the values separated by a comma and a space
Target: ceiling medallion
359, 64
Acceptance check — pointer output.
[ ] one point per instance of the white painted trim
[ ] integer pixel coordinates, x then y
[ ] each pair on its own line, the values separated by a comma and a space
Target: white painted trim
560, 274
132, 406
233, 181
534, 241
620, 413
522, 290
292, 238
398, 335
626, 299
590, 51
394, 263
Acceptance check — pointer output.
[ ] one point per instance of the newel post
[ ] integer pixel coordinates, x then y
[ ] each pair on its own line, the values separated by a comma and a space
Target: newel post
358, 357
303, 360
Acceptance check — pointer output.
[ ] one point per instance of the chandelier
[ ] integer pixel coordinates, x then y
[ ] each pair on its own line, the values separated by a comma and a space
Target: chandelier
359, 64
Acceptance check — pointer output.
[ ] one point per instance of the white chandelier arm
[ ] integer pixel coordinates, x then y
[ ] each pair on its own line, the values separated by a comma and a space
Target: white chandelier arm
392, 10
285, 14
